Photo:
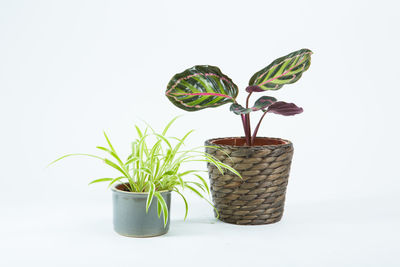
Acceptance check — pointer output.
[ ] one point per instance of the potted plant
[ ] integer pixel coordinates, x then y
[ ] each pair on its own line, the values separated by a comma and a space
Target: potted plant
142, 190
263, 162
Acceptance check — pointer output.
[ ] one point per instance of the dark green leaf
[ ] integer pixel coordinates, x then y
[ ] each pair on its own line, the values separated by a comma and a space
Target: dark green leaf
263, 102
239, 109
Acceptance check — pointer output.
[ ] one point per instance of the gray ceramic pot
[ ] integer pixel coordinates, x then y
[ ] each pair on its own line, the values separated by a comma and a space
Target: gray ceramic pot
130, 217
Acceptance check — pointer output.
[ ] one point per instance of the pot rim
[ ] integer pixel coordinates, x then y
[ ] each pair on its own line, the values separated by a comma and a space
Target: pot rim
287, 142
116, 190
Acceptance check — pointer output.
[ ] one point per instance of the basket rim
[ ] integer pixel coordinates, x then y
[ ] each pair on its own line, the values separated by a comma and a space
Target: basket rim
287, 142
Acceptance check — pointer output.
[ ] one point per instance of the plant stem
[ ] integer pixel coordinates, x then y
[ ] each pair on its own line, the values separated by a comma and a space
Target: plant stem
248, 135
247, 99
253, 138
244, 125
248, 130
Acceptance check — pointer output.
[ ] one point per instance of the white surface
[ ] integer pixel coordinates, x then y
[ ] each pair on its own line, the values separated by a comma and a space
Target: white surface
69, 69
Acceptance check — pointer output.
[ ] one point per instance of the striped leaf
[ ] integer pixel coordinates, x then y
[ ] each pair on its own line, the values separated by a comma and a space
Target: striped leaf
284, 70
261, 103
239, 109
200, 87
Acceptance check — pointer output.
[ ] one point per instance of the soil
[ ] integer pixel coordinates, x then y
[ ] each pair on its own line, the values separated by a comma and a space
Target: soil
123, 187
241, 141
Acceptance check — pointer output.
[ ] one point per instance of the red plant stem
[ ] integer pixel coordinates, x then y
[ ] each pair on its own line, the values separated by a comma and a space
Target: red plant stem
247, 99
248, 135
253, 138
246, 129
244, 124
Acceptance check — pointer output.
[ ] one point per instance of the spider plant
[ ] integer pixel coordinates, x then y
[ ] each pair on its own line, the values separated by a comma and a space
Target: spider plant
156, 163
205, 86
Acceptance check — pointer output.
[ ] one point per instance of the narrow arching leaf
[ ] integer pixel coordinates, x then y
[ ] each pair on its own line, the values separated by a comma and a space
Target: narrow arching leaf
199, 185
101, 180
109, 143
164, 207
263, 102
239, 109
132, 159
73, 155
139, 132
185, 201
200, 87
115, 166
112, 153
283, 108
150, 196
201, 196
164, 139
159, 208
204, 183
164, 132
181, 142
113, 181
284, 70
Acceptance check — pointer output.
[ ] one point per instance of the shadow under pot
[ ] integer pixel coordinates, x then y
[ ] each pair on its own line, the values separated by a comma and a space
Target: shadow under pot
130, 217
259, 197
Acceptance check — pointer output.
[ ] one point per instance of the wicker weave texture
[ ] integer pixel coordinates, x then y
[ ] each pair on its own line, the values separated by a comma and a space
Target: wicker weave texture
259, 197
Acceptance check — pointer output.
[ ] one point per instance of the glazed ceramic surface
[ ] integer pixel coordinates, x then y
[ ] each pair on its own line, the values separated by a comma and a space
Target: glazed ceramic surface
130, 217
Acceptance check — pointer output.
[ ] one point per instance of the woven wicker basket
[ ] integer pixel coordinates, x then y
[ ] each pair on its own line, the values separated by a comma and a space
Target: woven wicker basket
259, 197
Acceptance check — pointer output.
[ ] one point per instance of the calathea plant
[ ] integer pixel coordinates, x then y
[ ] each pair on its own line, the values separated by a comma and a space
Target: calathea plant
205, 86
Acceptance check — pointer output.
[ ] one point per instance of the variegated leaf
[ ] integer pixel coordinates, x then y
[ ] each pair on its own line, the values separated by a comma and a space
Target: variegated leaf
200, 87
263, 102
283, 108
239, 109
284, 70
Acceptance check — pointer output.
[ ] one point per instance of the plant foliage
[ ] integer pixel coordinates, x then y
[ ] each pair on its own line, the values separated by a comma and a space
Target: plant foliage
205, 86
155, 164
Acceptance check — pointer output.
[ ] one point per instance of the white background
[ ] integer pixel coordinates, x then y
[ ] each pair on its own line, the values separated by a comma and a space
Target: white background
70, 69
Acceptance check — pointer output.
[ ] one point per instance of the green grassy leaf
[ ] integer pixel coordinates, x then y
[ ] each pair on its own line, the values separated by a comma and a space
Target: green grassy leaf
204, 182
101, 180
109, 143
201, 196
75, 154
115, 166
163, 207
112, 153
164, 132
164, 139
150, 196
115, 180
131, 160
185, 201
139, 132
